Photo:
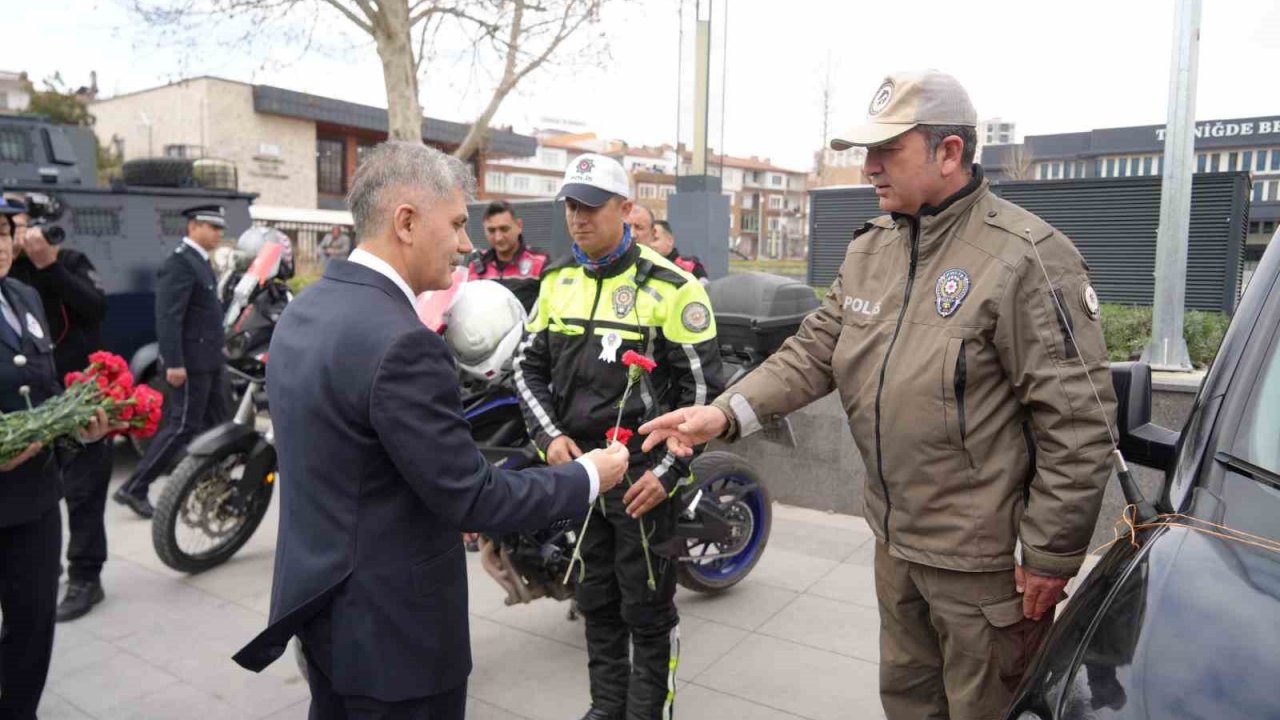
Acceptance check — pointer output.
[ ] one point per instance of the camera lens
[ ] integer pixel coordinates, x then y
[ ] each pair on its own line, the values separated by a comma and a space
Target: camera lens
54, 234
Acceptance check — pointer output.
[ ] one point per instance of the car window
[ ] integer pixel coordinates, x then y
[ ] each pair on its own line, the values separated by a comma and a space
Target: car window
1258, 441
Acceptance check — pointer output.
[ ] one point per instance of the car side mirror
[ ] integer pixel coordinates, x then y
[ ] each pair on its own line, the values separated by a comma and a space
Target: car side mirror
1141, 441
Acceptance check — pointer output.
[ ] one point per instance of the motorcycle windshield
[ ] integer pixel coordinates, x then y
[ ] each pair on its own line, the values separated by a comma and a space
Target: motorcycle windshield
266, 264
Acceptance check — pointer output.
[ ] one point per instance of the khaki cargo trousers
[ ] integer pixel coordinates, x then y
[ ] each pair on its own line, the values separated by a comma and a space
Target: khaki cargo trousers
952, 644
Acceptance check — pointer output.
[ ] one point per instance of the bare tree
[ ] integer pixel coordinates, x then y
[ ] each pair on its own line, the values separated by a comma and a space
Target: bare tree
523, 34
1018, 161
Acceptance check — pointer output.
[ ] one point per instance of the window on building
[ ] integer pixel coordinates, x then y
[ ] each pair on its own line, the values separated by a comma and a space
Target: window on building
549, 186
331, 170
665, 191
520, 183
1111, 167
777, 181
648, 191
1146, 165
1160, 165
1275, 159
553, 158
1257, 191
1200, 162
183, 152
773, 224
493, 181
775, 202
1042, 170
363, 148
750, 222
1262, 161
1232, 159
748, 202
1246, 162
1215, 160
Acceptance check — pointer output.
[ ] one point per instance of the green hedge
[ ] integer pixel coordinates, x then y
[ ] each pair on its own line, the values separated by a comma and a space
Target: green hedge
1128, 329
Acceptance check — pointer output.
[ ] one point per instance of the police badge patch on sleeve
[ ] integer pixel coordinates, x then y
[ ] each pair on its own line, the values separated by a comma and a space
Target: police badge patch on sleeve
951, 290
696, 317
1089, 299
624, 298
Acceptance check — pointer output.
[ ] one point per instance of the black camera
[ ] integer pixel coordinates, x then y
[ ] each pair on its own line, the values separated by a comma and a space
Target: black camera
45, 210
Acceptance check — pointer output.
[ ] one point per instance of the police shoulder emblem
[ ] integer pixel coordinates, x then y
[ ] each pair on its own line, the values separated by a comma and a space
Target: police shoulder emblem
1089, 299
951, 290
624, 298
525, 265
696, 317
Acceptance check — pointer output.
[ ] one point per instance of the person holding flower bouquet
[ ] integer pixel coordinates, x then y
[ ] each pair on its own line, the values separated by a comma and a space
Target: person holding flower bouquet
75, 304
619, 335
30, 484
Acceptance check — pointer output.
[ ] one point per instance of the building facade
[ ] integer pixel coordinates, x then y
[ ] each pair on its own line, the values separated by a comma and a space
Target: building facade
14, 96
295, 150
997, 131
1249, 145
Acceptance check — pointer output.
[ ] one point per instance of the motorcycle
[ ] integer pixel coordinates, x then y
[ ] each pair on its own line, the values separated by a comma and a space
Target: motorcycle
725, 512
222, 485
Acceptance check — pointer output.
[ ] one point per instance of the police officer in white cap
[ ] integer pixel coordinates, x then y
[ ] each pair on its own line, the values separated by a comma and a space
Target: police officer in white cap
614, 295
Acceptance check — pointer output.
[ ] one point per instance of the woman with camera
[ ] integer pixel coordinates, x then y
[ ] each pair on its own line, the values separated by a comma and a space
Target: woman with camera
30, 488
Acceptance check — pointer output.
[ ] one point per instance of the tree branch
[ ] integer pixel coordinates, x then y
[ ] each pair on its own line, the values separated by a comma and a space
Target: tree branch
367, 27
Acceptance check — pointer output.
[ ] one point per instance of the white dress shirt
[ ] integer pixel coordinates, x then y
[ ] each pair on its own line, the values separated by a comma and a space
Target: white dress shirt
196, 246
363, 257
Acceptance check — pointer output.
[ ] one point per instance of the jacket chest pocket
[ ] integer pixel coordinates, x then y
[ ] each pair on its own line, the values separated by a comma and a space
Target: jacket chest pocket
955, 379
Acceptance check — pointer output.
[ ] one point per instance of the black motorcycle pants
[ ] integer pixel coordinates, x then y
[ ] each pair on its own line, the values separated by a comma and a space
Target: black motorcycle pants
633, 641
201, 403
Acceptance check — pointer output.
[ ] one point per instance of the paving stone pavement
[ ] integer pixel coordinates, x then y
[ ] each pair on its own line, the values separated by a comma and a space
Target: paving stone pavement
797, 639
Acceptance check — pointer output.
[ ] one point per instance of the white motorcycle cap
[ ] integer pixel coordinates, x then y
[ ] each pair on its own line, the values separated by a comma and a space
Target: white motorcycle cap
593, 179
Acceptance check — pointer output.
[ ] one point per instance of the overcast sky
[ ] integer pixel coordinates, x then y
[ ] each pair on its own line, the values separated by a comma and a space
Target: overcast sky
1049, 66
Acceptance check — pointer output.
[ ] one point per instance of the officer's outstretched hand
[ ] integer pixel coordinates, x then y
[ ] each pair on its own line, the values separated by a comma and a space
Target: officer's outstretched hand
98, 428
684, 428
646, 494
22, 457
611, 464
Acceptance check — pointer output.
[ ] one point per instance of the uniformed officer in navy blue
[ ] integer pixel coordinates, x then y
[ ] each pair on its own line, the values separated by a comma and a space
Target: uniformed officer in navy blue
189, 327
30, 488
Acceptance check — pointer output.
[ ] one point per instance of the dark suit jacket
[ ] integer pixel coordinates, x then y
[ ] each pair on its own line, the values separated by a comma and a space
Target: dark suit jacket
378, 474
188, 313
31, 489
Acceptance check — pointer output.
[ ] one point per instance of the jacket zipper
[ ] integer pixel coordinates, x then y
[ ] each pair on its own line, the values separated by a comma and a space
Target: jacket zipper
884, 367
961, 378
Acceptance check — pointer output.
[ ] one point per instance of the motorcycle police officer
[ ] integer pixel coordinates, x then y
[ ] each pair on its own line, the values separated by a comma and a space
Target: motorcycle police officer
664, 241
611, 296
508, 260
75, 305
962, 335
30, 487
189, 327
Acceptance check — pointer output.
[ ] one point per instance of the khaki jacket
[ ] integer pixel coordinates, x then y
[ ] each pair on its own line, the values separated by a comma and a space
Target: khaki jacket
965, 393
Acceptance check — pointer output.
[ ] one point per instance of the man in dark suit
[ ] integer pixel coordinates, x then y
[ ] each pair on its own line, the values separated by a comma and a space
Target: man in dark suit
378, 470
189, 327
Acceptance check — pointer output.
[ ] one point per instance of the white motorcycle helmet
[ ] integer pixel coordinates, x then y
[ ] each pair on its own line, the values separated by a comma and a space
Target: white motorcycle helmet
484, 327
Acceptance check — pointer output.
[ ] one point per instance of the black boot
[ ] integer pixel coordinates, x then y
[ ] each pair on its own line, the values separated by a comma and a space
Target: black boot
81, 596
594, 714
140, 505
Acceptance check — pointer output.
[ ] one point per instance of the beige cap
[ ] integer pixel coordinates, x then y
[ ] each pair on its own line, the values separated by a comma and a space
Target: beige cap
905, 100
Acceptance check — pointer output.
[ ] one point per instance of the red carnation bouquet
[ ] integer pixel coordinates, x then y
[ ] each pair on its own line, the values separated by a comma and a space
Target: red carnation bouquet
106, 384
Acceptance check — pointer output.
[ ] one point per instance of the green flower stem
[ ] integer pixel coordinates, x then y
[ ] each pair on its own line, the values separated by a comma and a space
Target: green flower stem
644, 543
577, 546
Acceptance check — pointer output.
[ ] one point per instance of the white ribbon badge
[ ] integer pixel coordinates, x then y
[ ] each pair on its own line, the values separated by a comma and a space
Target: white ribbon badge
610, 343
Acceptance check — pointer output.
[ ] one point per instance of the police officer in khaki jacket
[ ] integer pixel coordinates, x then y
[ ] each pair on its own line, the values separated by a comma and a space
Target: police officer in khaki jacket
962, 334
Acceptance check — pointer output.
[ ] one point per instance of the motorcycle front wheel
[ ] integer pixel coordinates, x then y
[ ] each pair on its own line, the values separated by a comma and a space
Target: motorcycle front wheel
201, 520
731, 484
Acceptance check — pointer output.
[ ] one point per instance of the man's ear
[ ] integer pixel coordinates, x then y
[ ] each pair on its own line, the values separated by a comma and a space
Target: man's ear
952, 151
520, 224
402, 222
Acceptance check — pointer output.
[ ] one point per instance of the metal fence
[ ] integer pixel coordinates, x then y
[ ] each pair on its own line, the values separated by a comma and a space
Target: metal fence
1112, 221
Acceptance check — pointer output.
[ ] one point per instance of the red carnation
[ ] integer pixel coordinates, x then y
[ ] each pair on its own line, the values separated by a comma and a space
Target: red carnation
74, 378
633, 358
618, 434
